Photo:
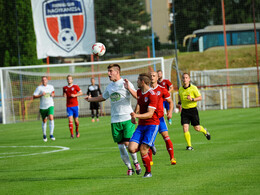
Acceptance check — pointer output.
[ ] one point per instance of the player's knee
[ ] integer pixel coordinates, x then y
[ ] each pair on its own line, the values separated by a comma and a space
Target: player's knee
197, 127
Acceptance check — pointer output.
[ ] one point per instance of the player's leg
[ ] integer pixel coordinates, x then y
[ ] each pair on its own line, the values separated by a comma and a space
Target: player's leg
70, 120
195, 122
97, 114
149, 135
76, 119
166, 105
51, 121
92, 115
187, 136
117, 133
129, 129
169, 146
44, 115
146, 159
185, 122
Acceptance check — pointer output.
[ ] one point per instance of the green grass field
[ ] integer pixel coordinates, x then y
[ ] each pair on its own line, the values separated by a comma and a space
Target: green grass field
227, 164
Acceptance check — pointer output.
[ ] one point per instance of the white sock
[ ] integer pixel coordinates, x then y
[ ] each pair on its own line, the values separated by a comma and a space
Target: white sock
51, 125
44, 128
134, 156
124, 155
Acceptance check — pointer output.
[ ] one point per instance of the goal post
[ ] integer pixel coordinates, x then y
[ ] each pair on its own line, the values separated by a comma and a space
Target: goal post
19, 83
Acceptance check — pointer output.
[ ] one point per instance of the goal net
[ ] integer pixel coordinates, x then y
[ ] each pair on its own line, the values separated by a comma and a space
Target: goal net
19, 83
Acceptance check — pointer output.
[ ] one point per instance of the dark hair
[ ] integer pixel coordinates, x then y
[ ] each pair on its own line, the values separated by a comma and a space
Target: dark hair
159, 71
145, 77
44, 77
114, 66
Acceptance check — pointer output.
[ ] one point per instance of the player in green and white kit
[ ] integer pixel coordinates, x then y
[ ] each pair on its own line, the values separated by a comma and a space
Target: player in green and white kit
122, 128
46, 93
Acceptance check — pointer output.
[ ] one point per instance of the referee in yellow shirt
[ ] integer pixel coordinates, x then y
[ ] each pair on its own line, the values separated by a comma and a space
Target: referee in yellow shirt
189, 95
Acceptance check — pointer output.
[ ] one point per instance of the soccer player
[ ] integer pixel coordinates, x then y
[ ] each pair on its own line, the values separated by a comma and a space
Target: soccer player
46, 93
168, 85
189, 95
147, 129
163, 94
122, 128
72, 91
94, 91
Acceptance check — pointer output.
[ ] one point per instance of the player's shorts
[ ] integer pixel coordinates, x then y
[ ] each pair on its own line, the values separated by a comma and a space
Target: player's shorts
162, 126
73, 111
190, 115
145, 134
46, 112
122, 131
94, 105
166, 105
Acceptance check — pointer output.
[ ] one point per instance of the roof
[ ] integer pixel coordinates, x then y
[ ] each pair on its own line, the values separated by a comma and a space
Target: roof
229, 27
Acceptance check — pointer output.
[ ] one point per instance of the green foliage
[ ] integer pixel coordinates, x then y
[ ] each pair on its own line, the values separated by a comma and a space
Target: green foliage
194, 15
118, 25
227, 164
17, 34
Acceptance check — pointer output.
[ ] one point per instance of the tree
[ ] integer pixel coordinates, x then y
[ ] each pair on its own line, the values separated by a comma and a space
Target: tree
122, 25
194, 15
17, 34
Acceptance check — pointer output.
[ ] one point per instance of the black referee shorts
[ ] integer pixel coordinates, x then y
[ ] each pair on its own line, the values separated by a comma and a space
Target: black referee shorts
94, 105
190, 116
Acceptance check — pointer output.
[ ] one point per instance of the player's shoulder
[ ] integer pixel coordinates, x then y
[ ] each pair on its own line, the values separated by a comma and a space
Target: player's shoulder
193, 86
152, 92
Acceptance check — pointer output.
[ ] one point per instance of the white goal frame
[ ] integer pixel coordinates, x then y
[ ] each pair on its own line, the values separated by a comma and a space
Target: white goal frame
19, 68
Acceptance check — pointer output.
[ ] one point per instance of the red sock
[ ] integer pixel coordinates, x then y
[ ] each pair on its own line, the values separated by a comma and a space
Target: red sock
169, 147
77, 127
146, 161
71, 128
150, 153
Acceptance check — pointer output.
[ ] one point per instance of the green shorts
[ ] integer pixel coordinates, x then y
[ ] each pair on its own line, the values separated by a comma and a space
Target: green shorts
46, 112
122, 131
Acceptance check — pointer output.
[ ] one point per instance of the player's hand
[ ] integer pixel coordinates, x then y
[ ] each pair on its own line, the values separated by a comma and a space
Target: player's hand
73, 95
133, 117
126, 84
189, 98
169, 115
87, 97
43, 93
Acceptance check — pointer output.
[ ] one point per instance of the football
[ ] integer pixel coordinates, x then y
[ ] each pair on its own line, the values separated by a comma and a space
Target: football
176, 110
98, 49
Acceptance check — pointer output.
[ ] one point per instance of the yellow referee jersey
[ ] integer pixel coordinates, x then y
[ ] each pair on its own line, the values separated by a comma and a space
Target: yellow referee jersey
193, 92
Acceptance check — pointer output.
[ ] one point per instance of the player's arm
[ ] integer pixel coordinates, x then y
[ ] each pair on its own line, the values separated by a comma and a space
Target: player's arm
179, 102
197, 96
53, 94
133, 114
38, 94
128, 87
170, 89
94, 99
169, 112
146, 115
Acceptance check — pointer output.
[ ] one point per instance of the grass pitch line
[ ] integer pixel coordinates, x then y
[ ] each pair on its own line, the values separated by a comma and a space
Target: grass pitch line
60, 149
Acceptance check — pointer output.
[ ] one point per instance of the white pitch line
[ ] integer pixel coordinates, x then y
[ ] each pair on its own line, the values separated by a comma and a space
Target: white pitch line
61, 148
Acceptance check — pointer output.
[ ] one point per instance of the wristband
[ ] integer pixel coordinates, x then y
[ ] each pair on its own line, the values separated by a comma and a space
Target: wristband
192, 99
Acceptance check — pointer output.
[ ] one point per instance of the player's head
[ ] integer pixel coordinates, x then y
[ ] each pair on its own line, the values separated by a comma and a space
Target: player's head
92, 80
154, 77
70, 79
44, 80
159, 74
186, 78
143, 79
114, 72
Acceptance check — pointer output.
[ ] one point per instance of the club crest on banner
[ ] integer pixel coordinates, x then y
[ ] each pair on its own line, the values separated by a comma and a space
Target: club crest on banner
65, 22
